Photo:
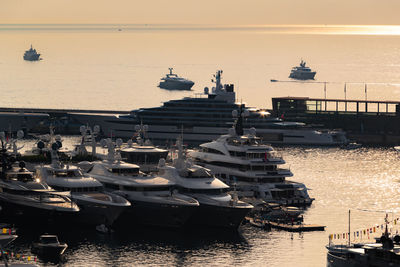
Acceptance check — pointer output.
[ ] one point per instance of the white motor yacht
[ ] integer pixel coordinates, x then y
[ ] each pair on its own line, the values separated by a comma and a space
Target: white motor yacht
172, 81
217, 207
302, 72
97, 206
154, 198
243, 159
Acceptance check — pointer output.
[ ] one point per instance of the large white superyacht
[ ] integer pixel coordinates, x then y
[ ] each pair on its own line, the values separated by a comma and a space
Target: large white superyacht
205, 117
242, 160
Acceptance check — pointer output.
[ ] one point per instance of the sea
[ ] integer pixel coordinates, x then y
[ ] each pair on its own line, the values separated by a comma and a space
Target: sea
118, 67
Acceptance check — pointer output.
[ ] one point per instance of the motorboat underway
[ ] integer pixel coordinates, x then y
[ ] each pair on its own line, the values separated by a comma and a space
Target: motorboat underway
48, 246
302, 72
154, 199
217, 207
172, 81
97, 206
31, 55
243, 159
204, 118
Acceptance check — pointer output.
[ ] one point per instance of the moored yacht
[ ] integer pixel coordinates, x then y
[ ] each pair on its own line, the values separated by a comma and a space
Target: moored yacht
31, 55
154, 199
217, 207
172, 81
243, 159
23, 197
302, 72
204, 118
97, 206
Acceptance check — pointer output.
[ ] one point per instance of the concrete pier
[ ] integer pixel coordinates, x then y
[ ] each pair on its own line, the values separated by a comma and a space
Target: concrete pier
365, 121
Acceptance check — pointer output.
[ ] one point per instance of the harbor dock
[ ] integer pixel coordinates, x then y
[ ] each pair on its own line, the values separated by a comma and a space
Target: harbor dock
370, 122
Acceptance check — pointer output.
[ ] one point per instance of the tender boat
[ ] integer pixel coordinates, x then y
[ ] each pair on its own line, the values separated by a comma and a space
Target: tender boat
31, 55
172, 81
217, 207
302, 72
155, 201
49, 246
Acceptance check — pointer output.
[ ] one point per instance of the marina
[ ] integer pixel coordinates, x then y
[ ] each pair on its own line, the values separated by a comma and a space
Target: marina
185, 215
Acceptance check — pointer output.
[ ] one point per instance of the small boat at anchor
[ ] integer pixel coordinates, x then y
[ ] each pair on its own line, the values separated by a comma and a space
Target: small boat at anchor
31, 55
302, 72
49, 246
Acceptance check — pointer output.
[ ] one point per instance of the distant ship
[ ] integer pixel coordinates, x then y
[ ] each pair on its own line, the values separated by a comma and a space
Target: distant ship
172, 81
31, 55
302, 72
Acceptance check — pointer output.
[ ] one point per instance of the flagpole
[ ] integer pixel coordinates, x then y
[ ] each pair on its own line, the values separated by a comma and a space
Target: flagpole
325, 94
345, 97
349, 228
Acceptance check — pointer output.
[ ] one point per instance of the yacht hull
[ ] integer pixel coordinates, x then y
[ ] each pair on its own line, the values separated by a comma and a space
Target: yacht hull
24, 214
218, 216
95, 213
35, 57
155, 214
171, 85
302, 75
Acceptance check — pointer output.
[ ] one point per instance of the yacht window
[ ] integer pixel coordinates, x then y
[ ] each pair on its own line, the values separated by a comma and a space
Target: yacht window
211, 150
25, 177
111, 186
205, 191
196, 173
125, 171
49, 240
143, 189
65, 173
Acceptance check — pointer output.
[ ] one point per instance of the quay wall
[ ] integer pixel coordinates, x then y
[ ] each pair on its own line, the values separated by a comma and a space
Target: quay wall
369, 123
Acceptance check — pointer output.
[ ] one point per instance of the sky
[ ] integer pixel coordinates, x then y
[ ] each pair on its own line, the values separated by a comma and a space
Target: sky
230, 12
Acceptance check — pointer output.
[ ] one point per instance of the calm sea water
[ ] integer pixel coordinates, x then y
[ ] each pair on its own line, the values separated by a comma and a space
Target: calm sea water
103, 68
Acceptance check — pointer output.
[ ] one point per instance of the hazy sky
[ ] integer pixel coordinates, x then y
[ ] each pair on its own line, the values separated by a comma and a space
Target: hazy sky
202, 11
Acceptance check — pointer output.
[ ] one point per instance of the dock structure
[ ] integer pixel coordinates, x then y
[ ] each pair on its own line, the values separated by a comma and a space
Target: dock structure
370, 122
37, 120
